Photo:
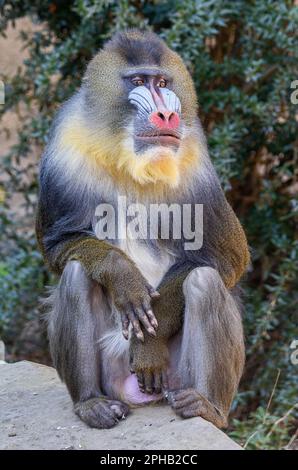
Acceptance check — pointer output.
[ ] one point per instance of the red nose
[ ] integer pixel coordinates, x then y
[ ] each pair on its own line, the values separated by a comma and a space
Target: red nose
165, 119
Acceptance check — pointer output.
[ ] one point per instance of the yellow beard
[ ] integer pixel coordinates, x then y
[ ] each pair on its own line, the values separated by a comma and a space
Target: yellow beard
158, 166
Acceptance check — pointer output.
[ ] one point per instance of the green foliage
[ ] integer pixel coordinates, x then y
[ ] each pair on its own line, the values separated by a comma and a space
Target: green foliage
243, 57
22, 279
264, 430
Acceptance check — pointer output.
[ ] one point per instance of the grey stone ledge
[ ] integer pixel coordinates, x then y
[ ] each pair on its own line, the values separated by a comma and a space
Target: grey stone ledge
36, 413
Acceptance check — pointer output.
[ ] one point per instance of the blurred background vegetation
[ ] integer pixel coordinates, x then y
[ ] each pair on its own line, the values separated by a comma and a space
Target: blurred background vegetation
243, 57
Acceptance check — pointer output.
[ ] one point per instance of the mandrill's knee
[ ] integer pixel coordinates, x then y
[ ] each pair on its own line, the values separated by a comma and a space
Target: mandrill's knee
203, 280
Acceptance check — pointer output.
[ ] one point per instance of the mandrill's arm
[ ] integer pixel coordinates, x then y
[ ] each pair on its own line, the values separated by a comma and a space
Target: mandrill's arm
64, 235
229, 248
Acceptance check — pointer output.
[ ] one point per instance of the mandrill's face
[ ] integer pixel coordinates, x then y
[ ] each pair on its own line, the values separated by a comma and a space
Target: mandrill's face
156, 109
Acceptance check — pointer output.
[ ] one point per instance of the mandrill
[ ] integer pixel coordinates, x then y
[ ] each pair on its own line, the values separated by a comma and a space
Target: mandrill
136, 319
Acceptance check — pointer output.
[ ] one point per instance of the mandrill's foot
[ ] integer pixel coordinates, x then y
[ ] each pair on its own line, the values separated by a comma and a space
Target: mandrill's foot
189, 403
101, 412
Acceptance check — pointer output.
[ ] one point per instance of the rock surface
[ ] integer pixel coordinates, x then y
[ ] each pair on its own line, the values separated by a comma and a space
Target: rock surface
36, 413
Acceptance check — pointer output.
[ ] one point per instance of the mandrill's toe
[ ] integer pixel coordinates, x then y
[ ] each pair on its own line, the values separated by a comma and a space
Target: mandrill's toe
101, 412
190, 403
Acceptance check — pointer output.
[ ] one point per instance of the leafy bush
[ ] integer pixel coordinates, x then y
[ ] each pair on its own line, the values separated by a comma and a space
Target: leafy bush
243, 57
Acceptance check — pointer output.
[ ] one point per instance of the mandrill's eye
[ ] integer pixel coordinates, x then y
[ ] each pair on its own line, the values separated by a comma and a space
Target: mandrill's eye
138, 81
162, 83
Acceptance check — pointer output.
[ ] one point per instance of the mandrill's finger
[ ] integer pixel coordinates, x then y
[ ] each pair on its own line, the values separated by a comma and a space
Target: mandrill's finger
136, 326
157, 382
150, 314
141, 315
152, 318
170, 396
154, 294
141, 381
148, 379
125, 325
165, 382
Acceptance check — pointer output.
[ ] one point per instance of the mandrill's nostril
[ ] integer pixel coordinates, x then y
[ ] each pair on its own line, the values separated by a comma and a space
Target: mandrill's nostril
167, 119
162, 116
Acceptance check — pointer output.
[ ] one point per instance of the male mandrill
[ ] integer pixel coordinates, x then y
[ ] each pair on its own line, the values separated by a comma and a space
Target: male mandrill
135, 319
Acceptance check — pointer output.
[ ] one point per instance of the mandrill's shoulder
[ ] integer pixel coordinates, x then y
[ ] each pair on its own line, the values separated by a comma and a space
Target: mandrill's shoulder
70, 139
69, 111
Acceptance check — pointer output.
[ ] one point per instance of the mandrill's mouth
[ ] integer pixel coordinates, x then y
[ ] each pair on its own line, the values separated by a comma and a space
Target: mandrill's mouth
162, 137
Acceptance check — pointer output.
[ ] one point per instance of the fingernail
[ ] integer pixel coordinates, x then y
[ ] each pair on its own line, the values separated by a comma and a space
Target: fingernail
170, 397
152, 332
155, 294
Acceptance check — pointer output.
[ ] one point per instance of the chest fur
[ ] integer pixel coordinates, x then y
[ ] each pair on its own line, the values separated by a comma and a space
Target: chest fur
126, 226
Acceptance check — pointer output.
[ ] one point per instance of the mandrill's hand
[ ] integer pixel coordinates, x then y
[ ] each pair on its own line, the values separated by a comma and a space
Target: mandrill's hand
150, 362
132, 296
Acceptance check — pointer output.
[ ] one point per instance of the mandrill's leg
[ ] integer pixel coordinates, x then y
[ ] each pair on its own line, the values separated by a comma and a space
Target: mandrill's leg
78, 309
212, 349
